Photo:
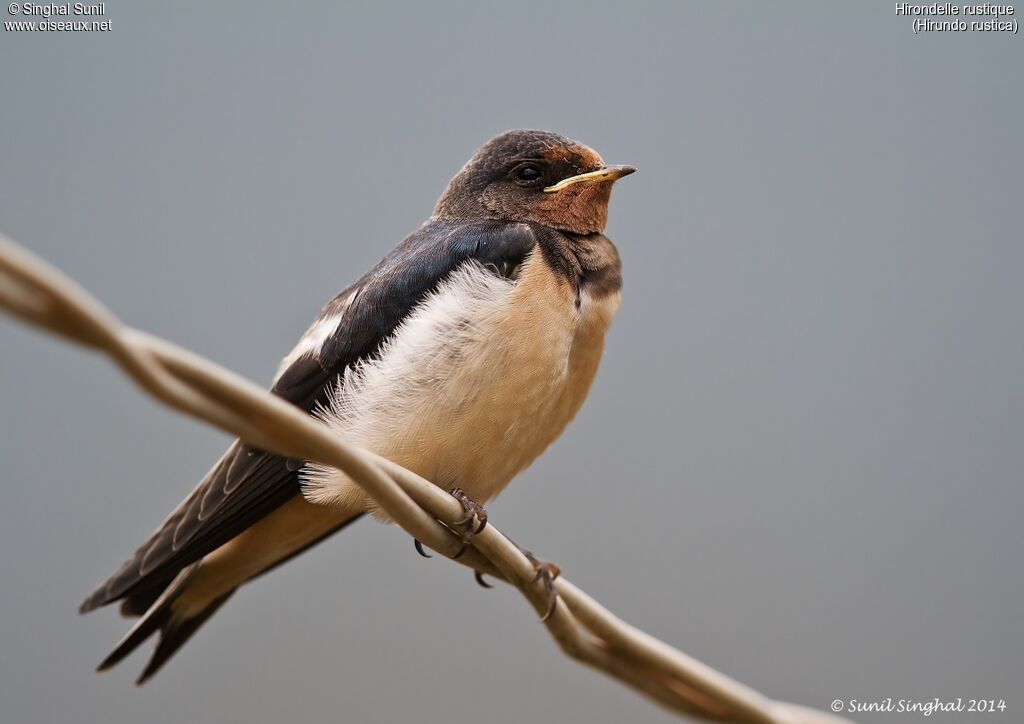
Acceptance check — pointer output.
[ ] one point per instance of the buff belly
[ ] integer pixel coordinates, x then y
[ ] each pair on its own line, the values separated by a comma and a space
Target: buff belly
474, 385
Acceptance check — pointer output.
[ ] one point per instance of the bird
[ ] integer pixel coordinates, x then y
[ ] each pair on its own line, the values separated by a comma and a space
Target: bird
462, 355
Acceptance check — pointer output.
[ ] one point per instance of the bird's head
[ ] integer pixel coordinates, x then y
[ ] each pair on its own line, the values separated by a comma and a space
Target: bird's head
534, 176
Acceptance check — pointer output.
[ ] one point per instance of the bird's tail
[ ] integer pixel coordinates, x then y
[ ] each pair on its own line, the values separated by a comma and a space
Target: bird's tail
174, 628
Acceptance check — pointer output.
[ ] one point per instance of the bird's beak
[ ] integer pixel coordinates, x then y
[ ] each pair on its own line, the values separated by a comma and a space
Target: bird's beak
608, 173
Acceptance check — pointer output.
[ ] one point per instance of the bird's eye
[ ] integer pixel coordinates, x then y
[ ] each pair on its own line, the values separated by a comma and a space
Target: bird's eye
527, 174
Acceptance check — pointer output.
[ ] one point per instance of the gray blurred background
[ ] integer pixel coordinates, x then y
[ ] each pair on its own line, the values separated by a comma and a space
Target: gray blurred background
801, 460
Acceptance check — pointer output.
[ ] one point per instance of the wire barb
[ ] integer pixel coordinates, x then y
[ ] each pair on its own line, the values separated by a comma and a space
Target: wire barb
39, 295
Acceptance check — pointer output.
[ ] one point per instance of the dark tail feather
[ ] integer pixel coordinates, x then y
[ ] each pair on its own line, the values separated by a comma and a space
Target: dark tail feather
174, 635
174, 631
136, 604
153, 598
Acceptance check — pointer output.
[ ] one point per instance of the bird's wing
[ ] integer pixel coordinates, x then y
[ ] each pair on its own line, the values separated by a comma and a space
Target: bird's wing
248, 484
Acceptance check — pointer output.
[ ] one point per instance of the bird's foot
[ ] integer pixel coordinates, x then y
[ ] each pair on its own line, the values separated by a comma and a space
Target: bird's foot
474, 522
546, 573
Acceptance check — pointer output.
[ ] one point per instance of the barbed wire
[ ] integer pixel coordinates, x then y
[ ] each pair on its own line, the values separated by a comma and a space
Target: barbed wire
40, 295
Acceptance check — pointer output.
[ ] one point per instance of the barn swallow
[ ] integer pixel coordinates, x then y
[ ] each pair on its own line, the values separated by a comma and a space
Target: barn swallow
461, 355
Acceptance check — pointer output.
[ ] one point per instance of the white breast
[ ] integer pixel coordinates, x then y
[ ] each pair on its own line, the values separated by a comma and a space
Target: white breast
474, 385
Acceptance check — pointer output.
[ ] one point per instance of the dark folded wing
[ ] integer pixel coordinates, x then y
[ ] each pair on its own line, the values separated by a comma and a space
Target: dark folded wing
248, 484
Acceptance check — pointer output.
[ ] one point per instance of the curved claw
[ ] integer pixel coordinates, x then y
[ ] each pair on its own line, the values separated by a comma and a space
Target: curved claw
551, 607
481, 580
480, 517
473, 523
547, 573
419, 548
